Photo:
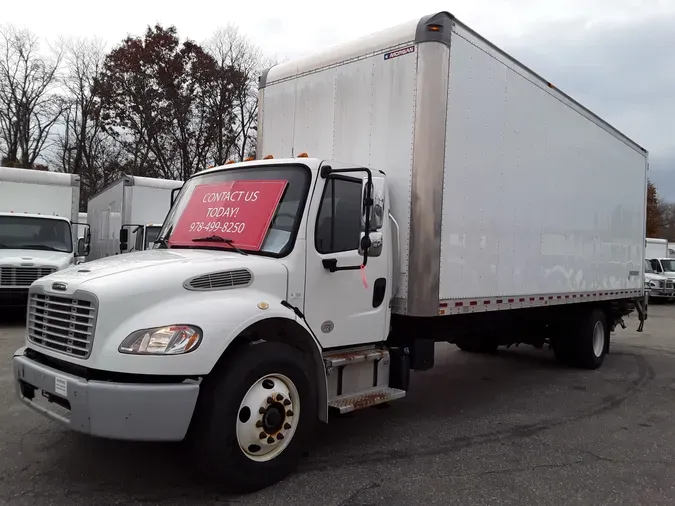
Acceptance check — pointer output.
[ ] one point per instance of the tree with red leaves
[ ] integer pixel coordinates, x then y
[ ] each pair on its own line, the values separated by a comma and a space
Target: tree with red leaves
654, 218
164, 102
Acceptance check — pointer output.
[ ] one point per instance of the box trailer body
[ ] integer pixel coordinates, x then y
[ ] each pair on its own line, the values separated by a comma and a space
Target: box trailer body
656, 248
482, 158
441, 202
133, 203
671, 250
38, 213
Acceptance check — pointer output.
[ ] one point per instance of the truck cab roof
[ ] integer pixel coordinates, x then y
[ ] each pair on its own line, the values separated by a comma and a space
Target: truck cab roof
35, 215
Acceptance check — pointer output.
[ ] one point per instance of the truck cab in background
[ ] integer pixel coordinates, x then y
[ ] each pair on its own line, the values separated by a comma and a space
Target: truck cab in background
659, 286
127, 214
38, 229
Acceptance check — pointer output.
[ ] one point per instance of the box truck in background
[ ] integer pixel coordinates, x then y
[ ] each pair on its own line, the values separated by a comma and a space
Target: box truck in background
127, 214
285, 287
671, 250
656, 248
38, 228
658, 254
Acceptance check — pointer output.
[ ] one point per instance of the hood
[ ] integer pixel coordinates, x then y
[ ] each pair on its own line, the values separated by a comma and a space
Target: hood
156, 270
652, 276
34, 258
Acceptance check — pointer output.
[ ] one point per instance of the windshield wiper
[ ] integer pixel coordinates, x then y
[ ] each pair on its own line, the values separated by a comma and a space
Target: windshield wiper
217, 238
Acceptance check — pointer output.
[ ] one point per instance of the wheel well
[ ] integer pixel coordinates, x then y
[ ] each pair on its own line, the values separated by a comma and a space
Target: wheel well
289, 332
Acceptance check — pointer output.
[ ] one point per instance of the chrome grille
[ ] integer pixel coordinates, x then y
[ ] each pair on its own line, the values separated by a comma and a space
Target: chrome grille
61, 323
22, 276
220, 280
669, 284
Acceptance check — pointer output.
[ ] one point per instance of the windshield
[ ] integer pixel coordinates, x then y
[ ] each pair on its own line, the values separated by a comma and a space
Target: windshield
22, 232
648, 266
255, 208
668, 265
151, 235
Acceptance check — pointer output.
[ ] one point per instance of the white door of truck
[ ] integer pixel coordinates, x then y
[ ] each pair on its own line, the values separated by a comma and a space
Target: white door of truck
345, 307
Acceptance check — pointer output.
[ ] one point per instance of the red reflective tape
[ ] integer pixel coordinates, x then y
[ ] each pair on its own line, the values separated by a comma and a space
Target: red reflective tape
459, 304
499, 301
486, 302
443, 304
473, 303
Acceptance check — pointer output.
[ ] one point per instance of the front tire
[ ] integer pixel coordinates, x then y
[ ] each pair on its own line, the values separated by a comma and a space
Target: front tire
255, 417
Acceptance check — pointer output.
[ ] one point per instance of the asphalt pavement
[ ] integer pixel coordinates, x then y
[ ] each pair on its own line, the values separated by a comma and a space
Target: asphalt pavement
513, 428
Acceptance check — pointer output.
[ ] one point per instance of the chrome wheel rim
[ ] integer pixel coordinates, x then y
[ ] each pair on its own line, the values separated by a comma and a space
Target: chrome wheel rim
268, 417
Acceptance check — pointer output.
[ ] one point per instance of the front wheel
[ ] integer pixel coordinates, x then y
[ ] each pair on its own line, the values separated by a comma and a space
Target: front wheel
255, 417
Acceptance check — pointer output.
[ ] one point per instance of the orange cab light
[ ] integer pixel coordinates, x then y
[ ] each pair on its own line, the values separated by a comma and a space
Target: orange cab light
434, 28
229, 162
249, 159
268, 157
303, 155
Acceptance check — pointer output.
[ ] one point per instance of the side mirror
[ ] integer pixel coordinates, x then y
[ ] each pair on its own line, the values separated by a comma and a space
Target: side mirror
375, 246
378, 194
82, 247
124, 239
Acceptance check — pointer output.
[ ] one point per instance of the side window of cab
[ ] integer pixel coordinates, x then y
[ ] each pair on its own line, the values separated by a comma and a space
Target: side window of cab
338, 225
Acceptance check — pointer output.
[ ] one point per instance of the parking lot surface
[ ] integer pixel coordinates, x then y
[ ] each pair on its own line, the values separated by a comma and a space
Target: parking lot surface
513, 428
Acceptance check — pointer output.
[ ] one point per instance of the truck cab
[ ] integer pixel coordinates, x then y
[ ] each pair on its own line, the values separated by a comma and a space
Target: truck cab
33, 246
301, 234
659, 286
664, 267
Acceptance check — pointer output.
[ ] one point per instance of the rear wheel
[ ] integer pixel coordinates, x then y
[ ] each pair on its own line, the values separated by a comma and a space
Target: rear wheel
591, 340
255, 417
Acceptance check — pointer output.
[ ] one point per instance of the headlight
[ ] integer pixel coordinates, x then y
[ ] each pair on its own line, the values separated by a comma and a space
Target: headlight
169, 340
652, 284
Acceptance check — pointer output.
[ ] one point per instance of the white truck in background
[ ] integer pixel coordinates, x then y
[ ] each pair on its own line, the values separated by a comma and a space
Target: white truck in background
283, 287
658, 255
127, 214
671, 250
38, 220
659, 286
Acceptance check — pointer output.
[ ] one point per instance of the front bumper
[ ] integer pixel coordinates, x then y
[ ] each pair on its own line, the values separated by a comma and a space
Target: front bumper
662, 292
131, 411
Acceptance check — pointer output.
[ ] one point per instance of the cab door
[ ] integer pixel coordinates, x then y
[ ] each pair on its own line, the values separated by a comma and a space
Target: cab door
346, 307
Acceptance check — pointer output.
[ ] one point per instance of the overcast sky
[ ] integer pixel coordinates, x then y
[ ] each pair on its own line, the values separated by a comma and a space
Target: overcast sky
616, 57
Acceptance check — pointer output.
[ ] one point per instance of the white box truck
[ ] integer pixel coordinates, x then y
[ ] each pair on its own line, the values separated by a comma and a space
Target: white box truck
472, 202
38, 213
656, 252
127, 214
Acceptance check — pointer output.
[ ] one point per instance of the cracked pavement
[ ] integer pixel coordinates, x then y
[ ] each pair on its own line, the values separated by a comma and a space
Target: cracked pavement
514, 428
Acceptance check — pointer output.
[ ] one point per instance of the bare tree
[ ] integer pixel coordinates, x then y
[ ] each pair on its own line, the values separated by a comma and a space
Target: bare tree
83, 147
233, 50
30, 104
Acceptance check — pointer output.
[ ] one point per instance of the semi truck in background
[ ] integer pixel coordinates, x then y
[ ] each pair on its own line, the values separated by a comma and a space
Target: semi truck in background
435, 208
38, 228
127, 214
